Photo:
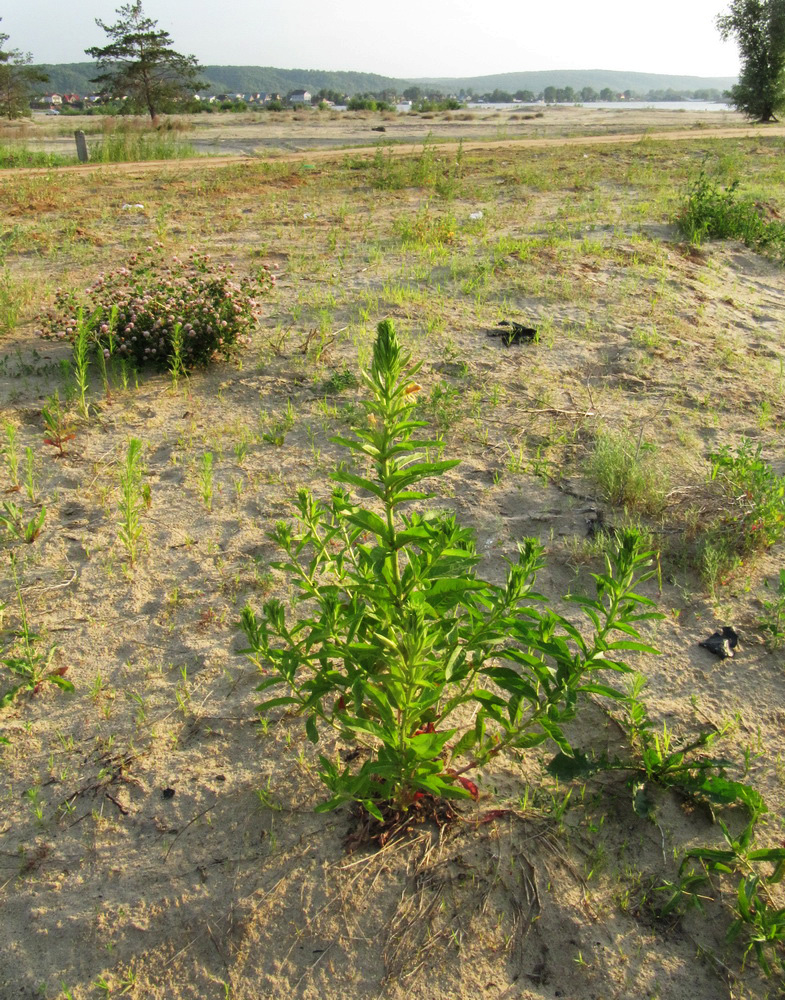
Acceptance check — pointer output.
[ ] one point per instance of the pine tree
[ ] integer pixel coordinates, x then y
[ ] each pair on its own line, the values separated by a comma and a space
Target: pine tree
140, 65
17, 77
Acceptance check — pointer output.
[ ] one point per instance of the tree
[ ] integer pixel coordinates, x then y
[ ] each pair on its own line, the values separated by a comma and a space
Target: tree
759, 29
139, 63
17, 77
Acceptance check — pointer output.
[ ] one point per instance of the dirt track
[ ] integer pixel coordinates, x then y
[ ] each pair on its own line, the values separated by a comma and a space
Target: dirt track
685, 135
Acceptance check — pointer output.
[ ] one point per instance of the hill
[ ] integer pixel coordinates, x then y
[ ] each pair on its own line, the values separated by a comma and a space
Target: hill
617, 80
77, 77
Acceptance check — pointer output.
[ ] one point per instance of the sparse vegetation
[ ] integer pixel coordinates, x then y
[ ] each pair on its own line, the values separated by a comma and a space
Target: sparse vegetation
642, 402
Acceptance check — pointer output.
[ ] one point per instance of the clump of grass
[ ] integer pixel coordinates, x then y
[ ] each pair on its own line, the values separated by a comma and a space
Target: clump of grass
131, 147
627, 472
21, 156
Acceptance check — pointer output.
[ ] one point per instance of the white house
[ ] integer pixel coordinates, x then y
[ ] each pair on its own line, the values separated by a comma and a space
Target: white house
300, 97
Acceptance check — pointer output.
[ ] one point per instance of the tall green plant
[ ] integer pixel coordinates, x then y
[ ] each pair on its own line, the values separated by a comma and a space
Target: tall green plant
402, 642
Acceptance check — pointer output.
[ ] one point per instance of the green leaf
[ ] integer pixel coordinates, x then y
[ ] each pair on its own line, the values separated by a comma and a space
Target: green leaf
573, 768
265, 706
310, 729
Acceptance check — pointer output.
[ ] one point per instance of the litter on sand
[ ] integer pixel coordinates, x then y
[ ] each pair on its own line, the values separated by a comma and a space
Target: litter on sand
722, 643
514, 333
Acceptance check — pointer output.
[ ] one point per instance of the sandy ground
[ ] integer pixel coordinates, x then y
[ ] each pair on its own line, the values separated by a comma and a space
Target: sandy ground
156, 841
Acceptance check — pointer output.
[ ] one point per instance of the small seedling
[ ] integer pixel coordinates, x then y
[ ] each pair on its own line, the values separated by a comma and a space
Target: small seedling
25, 660
206, 479
176, 364
30, 474
11, 455
82, 362
131, 500
58, 427
13, 520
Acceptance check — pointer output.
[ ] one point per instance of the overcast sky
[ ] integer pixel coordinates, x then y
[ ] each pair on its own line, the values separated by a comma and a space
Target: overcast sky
410, 38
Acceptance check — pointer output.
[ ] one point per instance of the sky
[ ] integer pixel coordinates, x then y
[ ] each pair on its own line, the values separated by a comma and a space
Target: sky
407, 39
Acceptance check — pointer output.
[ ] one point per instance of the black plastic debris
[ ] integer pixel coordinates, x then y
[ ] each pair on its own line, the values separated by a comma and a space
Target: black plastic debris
168, 793
595, 523
722, 643
379, 128
514, 333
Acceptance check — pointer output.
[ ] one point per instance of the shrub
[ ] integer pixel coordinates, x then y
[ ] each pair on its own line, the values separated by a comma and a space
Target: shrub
403, 648
135, 311
715, 213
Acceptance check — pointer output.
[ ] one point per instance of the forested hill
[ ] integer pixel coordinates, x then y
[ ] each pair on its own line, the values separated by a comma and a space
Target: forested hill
77, 78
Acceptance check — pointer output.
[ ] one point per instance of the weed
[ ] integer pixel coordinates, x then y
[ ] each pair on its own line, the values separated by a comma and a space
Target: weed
661, 759
627, 472
756, 495
30, 474
131, 500
24, 660
206, 479
176, 366
713, 213
280, 427
403, 632
82, 361
756, 918
14, 521
10, 454
772, 621
59, 428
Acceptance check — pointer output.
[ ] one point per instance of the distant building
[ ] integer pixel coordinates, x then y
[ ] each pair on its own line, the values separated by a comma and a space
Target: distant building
300, 97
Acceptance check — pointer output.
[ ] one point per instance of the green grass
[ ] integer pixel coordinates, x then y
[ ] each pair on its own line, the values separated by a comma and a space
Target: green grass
20, 156
131, 147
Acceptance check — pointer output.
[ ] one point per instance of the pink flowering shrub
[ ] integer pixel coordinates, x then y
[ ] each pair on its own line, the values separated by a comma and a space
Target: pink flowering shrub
133, 311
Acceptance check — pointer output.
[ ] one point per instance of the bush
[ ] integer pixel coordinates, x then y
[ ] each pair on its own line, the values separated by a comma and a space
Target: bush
137, 311
712, 212
403, 649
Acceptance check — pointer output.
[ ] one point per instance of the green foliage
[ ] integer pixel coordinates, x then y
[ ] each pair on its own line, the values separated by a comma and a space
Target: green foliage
127, 145
12, 519
772, 621
57, 423
24, 660
755, 495
759, 28
206, 479
400, 638
17, 155
134, 311
441, 174
17, 81
712, 212
339, 381
659, 759
425, 229
361, 102
140, 65
741, 875
627, 472
132, 500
